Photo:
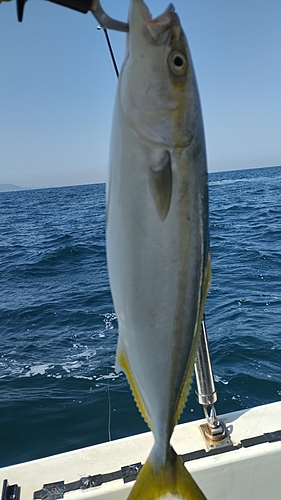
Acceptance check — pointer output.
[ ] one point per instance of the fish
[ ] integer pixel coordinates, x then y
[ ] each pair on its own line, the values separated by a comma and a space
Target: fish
157, 235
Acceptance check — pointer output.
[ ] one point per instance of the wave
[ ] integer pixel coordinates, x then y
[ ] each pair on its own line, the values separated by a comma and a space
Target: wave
59, 330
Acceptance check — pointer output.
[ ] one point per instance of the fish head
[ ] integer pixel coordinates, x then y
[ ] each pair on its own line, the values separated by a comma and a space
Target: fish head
157, 81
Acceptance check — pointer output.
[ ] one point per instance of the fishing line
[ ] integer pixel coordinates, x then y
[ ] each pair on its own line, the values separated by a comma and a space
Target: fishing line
109, 402
109, 317
108, 389
108, 325
110, 49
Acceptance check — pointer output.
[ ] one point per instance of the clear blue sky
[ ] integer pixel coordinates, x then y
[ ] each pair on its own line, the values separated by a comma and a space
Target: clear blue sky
57, 87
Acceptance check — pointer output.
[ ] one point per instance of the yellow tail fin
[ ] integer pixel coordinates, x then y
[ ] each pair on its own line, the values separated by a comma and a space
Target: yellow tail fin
169, 481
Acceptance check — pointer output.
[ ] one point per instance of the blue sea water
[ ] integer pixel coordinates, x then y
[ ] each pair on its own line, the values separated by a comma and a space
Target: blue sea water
58, 329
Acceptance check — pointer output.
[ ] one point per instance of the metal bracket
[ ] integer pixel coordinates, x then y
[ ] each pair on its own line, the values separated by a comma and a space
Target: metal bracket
10, 492
53, 491
130, 472
215, 437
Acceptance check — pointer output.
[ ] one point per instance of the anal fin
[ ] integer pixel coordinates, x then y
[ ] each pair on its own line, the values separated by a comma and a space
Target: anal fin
123, 364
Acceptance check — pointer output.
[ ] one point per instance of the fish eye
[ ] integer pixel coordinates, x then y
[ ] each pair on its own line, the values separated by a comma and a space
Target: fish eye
177, 62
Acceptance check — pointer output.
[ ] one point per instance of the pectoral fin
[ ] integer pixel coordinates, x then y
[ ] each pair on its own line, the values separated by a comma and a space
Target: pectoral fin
160, 181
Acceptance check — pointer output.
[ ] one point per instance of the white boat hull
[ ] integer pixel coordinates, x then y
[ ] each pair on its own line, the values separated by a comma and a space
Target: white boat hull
249, 469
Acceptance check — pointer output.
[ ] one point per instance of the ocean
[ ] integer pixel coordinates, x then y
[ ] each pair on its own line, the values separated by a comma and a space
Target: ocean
58, 329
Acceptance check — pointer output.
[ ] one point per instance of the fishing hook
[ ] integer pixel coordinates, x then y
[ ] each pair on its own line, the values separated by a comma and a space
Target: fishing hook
84, 6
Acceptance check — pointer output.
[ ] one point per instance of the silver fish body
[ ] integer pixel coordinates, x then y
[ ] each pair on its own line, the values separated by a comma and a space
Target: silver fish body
157, 234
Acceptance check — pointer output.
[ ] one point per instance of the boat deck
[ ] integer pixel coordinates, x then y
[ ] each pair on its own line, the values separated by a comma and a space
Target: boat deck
249, 468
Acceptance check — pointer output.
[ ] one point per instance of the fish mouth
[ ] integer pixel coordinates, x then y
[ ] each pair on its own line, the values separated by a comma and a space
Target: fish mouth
156, 30
159, 28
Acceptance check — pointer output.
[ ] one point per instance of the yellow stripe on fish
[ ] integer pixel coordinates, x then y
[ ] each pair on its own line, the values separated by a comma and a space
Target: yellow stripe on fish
189, 369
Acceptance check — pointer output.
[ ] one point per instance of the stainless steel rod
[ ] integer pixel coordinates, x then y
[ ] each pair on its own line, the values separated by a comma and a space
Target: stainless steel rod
206, 391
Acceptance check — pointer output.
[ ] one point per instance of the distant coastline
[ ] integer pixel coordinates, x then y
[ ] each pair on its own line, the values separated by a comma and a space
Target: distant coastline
15, 187
10, 187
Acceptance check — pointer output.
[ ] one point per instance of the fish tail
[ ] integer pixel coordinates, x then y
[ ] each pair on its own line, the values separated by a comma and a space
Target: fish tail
169, 481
